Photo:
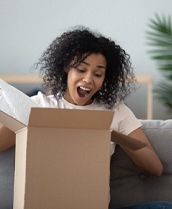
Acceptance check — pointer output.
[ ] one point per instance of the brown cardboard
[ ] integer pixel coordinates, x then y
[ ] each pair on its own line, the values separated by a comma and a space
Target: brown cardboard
62, 160
70, 118
10, 122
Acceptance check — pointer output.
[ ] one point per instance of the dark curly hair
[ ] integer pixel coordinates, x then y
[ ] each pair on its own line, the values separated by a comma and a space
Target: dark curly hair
77, 44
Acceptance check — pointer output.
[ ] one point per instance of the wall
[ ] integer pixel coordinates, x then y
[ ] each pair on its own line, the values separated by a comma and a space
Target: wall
28, 27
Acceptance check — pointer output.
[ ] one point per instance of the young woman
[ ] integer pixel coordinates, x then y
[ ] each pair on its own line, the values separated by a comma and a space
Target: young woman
85, 70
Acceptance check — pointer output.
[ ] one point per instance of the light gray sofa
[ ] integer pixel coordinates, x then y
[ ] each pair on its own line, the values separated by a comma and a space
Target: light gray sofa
129, 185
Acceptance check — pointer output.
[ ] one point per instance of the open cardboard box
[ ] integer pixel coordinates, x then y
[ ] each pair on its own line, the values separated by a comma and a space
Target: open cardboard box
62, 156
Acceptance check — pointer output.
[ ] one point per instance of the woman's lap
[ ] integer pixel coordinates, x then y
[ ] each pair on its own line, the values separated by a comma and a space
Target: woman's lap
150, 205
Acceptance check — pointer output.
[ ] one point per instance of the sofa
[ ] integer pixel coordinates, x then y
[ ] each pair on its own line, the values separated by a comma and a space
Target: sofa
128, 184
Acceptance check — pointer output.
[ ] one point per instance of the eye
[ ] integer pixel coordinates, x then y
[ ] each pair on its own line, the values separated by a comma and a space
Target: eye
98, 75
80, 70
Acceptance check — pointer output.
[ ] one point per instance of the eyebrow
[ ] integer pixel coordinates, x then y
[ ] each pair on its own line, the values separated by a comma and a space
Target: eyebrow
99, 66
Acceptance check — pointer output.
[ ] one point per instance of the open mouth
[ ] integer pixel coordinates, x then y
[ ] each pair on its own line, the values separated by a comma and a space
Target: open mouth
83, 91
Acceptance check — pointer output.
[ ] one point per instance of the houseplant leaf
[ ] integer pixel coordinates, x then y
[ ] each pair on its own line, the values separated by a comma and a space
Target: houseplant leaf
159, 40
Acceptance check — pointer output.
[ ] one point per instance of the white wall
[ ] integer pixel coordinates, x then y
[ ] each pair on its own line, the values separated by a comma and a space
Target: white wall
27, 27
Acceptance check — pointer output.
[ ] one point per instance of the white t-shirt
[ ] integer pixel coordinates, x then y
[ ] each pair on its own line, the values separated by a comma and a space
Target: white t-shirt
124, 120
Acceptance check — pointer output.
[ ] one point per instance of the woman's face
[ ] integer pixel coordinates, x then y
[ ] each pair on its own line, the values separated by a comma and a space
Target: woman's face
85, 80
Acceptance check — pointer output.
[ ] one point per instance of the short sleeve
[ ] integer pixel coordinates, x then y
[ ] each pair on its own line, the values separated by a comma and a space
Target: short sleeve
124, 120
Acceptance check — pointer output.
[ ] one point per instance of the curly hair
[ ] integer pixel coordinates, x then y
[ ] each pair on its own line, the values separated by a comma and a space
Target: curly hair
77, 44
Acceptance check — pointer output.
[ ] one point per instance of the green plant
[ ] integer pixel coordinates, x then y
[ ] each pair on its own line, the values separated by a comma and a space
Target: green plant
159, 38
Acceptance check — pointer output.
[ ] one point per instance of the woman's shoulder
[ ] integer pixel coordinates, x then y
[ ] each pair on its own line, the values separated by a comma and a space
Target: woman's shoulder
121, 107
124, 119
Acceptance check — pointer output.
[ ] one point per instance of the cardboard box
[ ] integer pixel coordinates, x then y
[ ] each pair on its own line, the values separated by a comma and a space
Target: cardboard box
62, 156
62, 160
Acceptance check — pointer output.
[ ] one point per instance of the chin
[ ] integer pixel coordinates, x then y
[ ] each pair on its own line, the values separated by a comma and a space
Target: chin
83, 103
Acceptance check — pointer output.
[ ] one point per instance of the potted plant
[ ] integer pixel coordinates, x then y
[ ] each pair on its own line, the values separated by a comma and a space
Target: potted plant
159, 37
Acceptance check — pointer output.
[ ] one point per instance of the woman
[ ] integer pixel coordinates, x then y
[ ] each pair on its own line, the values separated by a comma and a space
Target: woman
85, 70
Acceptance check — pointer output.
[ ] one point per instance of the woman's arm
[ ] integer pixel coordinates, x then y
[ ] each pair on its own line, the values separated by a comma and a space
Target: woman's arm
7, 138
145, 158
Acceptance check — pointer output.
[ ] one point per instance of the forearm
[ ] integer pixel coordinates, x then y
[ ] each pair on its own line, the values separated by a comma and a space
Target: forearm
145, 158
7, 138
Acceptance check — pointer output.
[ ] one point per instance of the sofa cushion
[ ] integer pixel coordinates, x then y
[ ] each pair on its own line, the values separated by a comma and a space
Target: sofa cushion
130, 185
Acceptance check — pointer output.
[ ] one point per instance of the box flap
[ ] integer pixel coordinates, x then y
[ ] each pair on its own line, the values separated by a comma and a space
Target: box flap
15, 103
10, 122
70, 118
126, 141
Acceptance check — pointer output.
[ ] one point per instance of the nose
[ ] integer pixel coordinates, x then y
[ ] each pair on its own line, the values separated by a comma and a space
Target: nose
88, 79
